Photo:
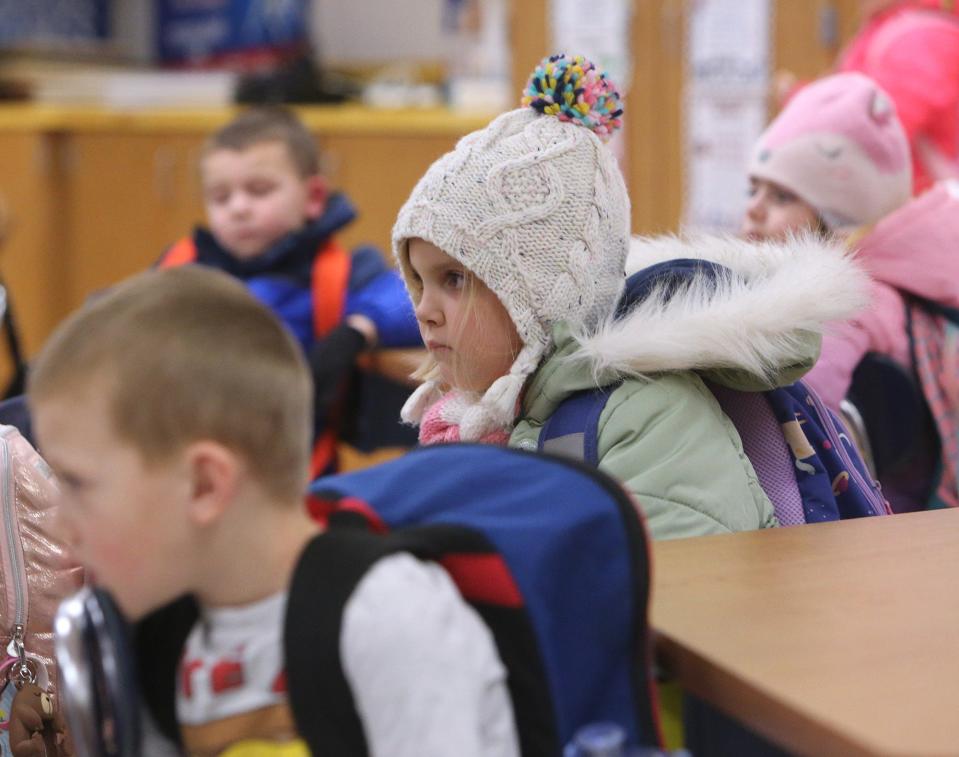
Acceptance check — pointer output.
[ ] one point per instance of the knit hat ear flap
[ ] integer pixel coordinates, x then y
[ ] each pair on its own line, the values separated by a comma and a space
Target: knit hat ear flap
496, 409
419, 402
498, 406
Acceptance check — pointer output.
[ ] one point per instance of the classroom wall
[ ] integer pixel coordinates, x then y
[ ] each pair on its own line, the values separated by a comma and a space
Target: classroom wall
133, 28
374, 31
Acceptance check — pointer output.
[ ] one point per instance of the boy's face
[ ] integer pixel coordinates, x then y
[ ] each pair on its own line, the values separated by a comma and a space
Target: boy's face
124, 521
464, 326
254, 197
773, 212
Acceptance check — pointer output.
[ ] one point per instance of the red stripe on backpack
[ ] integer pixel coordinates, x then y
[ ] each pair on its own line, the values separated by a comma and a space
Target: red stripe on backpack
483, 578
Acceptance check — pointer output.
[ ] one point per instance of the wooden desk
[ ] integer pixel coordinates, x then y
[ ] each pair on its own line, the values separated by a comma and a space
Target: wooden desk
830, 639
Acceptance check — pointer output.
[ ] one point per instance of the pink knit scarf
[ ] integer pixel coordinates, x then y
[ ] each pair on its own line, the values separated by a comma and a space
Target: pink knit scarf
440, 423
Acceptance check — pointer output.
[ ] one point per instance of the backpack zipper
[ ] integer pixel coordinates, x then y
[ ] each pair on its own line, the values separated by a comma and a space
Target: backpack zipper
834, 437
11, 551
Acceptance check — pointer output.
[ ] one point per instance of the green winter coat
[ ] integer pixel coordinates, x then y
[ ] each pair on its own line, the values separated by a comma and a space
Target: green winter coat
667, 440
662, 433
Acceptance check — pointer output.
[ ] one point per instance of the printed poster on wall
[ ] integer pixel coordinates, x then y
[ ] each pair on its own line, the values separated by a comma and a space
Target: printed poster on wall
728, 63
240, 34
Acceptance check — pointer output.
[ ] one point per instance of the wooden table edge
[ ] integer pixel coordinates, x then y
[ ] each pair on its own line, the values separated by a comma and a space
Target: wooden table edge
757, 708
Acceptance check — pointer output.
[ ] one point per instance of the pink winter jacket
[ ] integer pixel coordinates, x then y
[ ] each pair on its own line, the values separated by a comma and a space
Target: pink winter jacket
914, 249
912, 51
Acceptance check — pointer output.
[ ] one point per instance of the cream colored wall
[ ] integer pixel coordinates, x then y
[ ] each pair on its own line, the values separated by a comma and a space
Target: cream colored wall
372, 31
133, 28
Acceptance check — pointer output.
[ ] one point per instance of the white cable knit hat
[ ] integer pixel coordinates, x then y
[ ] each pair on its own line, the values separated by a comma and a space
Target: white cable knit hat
535, 206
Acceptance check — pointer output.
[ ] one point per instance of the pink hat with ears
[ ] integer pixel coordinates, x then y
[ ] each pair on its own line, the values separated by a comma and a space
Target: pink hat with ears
839, 146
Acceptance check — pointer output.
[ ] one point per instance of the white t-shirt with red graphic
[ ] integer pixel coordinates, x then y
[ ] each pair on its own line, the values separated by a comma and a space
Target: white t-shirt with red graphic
233, 662
422, 665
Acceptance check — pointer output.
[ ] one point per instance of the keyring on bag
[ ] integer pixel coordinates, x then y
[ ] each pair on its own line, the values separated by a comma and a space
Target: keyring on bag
98, 686
18, 669
23, 672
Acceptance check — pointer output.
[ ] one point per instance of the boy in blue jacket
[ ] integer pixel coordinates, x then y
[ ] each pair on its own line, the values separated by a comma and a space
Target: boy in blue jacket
272, 224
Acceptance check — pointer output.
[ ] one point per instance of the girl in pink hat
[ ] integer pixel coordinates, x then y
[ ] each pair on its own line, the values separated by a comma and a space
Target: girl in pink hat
837, 159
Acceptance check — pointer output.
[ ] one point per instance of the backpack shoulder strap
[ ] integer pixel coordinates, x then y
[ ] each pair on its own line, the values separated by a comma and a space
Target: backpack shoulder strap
179, 253
573, 428
329, 282
158, 642
930, 306
320, 696
324, 453
933, 341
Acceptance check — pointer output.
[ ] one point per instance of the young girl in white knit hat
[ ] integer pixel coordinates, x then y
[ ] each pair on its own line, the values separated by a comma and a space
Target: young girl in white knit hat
513, 247
837, 159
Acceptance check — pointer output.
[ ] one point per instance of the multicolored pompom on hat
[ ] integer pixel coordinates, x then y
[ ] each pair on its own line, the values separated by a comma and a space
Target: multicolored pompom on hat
535, 206
573, 89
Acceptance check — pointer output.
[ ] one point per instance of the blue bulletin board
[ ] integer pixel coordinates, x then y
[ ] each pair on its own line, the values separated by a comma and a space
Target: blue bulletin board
236, 33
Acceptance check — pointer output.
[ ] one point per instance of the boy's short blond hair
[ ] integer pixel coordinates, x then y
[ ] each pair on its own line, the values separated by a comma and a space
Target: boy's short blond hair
268, 124
187, 355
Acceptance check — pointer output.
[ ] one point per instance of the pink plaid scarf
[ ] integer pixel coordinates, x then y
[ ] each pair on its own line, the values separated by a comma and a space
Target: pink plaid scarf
936, 349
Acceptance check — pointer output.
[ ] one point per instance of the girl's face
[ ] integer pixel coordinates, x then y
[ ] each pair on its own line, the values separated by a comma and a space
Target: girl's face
463, 324
773, 212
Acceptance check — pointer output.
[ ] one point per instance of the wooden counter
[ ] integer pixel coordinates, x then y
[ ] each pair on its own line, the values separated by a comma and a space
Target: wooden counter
323, 119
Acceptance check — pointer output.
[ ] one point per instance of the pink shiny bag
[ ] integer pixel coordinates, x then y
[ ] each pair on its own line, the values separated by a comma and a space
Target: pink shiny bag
35, 572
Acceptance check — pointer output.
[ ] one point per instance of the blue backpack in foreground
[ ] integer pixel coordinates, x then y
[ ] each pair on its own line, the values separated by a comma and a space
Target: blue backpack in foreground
553, 555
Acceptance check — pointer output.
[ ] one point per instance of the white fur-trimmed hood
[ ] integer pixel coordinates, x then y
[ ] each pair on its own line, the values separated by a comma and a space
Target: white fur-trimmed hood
759, 319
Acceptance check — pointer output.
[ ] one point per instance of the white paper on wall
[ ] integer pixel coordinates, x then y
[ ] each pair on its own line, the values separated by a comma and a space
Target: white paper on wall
599, 30
728, 53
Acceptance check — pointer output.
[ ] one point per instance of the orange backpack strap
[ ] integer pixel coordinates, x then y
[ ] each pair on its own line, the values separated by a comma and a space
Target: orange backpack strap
330, 277
179, 253
324, 453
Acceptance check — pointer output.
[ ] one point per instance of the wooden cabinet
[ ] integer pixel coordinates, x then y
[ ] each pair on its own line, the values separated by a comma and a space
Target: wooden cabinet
378, 172
34, 250
128, 197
